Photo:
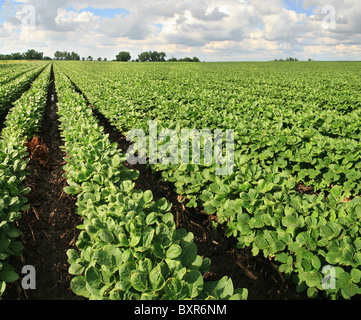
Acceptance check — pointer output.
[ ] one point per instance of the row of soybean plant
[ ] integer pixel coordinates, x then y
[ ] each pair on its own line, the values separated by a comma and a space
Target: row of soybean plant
129, 247
13, 89
22, 122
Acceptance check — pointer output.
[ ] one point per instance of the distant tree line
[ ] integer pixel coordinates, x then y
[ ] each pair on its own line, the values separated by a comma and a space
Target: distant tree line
64, 55
288, 59
147, 56
151, 56
28, 55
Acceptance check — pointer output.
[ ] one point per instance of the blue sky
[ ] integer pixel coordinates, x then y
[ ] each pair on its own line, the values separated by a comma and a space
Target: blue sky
3, 11
104, 13
297, 5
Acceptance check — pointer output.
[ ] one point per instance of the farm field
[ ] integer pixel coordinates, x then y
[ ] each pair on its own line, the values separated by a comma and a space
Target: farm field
283, 223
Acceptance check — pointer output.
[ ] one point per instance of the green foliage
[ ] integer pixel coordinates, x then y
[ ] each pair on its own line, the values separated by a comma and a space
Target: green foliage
14, 87
129, 247
64, 55
123, 56
291, 130
153, 56
31, 54
22, 122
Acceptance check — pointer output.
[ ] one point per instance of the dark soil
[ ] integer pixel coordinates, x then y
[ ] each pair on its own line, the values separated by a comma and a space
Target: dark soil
2, 120
49, 227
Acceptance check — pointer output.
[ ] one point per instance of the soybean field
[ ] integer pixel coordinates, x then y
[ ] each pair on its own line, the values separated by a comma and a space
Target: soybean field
281, 222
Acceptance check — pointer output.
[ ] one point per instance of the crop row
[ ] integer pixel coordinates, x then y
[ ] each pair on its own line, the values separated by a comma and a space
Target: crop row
318, 143
13, 71
12, 91
21, 123
277, 148
129, 247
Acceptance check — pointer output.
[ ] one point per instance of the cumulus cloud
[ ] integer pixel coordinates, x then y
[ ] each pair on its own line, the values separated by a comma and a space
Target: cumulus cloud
212, 29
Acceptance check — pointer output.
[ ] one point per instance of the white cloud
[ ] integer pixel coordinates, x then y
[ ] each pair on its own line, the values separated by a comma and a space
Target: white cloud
212, 29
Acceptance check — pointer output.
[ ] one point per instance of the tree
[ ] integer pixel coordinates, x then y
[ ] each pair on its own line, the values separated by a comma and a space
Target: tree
90, 58
153, 56
74, 56
33, 55
144, 56
162, 56
28, 55
123, 56
57, 55
291, 59
16, 56
187, 59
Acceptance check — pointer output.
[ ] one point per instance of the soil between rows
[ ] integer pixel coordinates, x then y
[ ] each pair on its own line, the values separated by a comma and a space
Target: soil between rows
49, 227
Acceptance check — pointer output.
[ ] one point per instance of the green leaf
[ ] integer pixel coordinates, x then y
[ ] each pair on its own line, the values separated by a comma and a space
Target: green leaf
326, 232
348, 288
156, 279
261, 243
221, 290
76, 269
209, 209
312, 278
158, 250
148, 236
73, 255
173, 287
145, 265
125, 271
8, 275
70, 190
13, 232
151, 218
148, 196
78, 286
123, 239
173, 252
356, 275
312, 293
139, 281
290, 221
126, 186
135, 239
93, 277
189, 254
195, 282
336, 192
116, 161
2, 287
106, 236
240, 295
